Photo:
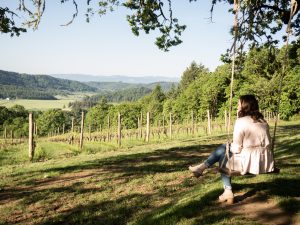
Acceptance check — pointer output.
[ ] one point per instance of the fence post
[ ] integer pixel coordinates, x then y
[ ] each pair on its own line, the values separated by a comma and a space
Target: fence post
170, 126
193, 125
30, 136
34, 127
5, 134
119, 130
141, 125
63, 128
81, 131
108, 128
208, 123
72, 128
12, 136
148, 127
90, 135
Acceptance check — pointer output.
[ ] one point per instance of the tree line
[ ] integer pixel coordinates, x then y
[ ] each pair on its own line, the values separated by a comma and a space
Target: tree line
199, 90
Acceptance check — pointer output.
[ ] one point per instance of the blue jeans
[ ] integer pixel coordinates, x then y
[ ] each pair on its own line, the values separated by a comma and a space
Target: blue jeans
217, 156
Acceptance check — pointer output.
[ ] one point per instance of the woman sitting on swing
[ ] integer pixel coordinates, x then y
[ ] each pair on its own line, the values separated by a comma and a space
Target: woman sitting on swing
250, 150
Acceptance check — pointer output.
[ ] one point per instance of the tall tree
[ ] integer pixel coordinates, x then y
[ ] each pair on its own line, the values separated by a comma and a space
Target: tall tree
191, 74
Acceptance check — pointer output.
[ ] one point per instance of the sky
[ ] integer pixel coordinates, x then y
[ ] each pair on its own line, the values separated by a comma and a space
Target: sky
106, 45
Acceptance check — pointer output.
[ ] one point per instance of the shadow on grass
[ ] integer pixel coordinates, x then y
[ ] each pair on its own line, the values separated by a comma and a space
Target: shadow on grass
283, 187
134, 165
288, 149
119, 169
108, 212
123, 209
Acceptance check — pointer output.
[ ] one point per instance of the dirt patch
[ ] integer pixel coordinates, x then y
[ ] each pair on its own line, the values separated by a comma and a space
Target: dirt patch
261, 209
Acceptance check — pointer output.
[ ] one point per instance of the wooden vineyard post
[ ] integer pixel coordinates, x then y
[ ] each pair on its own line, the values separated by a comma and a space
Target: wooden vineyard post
30, 138
119, 130
170, 126
163, 123
34, 128
90, 135
63, 128
108, 128
5, 134
12, 136
72, 128
208, 122
138, 127
141, 126
81, 131
193, 125
148, 127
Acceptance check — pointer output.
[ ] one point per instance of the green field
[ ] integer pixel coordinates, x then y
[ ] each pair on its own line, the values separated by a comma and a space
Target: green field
143, 184
61, 102
37, 104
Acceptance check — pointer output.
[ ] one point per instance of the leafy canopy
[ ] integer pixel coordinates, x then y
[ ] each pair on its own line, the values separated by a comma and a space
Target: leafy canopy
259, 20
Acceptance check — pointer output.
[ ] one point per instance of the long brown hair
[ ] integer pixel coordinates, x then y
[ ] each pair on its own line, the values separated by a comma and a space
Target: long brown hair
249, 107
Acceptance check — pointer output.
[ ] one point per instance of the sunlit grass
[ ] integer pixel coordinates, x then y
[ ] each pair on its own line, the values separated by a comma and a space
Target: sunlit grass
139, 183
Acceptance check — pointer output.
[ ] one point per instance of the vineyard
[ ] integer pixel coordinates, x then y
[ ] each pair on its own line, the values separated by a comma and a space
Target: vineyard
162, 130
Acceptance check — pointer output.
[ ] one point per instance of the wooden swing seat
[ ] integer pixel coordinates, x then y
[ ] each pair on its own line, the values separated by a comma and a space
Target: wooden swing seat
234, 173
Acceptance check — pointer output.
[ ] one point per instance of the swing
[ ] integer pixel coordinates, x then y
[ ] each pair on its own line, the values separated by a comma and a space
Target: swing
229, 165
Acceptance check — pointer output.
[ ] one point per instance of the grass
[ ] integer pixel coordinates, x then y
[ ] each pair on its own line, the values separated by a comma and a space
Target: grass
143, 184
62, 102
37, 104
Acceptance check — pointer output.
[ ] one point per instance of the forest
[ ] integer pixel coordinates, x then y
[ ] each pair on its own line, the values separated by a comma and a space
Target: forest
199, 90
15, 85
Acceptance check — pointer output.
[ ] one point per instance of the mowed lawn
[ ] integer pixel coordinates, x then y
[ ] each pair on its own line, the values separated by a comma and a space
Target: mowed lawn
145, 184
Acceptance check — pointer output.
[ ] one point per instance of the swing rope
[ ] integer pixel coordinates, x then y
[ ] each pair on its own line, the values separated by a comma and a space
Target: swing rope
233, 49
283, 71
285, 65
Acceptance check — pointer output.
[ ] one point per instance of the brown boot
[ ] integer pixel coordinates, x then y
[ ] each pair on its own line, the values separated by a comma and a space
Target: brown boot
227, 196
198, 170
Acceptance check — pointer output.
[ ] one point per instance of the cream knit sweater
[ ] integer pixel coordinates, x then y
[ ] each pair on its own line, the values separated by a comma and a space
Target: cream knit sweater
252, 146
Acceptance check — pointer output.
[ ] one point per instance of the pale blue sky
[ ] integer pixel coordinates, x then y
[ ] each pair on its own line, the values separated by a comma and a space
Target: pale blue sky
106, 46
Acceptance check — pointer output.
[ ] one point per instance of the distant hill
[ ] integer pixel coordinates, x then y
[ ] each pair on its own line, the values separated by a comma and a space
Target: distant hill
117, 78
15, 85
25, 86
117, 86
119, 92
127, 95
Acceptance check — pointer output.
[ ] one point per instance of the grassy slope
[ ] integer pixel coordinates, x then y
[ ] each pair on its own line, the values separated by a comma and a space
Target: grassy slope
146, 184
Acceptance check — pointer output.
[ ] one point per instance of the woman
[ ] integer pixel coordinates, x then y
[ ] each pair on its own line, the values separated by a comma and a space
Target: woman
251, 146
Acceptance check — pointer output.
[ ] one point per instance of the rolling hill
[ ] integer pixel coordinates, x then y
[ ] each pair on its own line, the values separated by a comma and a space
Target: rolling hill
16, 85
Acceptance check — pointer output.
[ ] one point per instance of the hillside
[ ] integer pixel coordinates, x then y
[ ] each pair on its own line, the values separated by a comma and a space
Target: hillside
15, 85
116, 78
117, 86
